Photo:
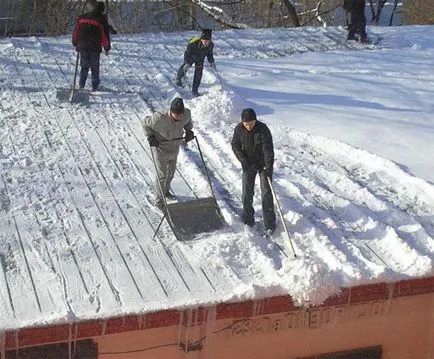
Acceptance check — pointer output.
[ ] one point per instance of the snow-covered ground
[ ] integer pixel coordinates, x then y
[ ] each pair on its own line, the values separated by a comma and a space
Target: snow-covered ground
352, 127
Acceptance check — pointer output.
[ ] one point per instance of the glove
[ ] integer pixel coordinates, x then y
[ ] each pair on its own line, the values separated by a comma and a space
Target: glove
106, 52
153, 142
189, 135
213, 66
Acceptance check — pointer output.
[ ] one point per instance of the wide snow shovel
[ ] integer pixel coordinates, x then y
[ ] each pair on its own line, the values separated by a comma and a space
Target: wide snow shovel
281, 215
73, 95
189, 218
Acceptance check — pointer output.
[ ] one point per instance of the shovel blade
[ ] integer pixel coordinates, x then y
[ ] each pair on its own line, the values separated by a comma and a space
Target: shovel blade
187, 219
77, 96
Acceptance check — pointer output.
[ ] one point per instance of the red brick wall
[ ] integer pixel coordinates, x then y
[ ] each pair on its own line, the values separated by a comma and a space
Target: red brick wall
354, 295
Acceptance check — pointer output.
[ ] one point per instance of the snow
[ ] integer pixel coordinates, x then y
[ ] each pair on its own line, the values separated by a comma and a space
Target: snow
352, 127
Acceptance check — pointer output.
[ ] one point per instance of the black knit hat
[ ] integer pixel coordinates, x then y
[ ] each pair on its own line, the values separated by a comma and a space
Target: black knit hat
177, 105
91, 5
248, 115
206, 34
100, 7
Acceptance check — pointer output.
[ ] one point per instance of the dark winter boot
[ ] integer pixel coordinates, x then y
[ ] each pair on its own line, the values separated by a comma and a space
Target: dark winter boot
250, 223
365, 40
170, 196
268, 233
159, 203
351, 36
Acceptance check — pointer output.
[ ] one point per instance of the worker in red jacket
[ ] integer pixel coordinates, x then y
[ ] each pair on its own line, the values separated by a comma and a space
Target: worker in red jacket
89, 37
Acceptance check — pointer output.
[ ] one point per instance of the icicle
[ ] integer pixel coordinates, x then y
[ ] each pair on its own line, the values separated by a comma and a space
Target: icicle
103, 327
181, 324
196, 318
390, 297
257, 307
17, 341
2, 345
141, 320
70, 342
187, 331
211, 316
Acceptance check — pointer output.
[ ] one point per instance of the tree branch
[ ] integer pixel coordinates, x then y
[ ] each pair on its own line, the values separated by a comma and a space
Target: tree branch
217, 14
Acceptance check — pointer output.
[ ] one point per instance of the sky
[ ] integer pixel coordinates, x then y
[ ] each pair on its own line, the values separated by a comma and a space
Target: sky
352, 128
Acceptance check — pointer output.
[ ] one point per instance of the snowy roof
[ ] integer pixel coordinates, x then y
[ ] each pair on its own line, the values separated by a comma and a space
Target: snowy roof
76, 188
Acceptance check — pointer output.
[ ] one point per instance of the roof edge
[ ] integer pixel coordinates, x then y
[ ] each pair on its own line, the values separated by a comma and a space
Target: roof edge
33, 336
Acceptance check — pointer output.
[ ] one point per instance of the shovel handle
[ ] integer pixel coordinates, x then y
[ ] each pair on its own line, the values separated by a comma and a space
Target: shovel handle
71, 97
174, 139
281, 215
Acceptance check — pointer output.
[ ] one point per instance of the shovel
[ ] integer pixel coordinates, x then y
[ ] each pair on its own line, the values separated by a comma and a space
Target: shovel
281, 215
73, 95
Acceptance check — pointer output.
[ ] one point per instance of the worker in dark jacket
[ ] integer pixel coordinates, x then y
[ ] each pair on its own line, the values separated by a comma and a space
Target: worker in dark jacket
252, 144
88, 37
357, 25
197, 49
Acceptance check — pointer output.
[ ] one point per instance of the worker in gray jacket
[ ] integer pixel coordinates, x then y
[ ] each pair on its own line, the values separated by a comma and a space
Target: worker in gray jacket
165, 134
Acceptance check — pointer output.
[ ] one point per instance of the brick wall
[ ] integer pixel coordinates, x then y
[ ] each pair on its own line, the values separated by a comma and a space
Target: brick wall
355, 295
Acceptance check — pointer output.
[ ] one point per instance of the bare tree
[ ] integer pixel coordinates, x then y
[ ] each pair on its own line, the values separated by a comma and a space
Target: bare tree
419, 12
318, 12
268, 13
392, 14
376, 9
217, 14
8, 16
58, 14
50, 17
55, 17
292, 13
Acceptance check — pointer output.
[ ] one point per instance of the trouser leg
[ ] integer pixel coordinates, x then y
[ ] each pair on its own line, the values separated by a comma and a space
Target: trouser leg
161, 164
181, 71
362, 26
267, 203
85, 65
166, 167
171, 167
352, 27
198, 70
358, 24
83, 76
94, 66
247, 196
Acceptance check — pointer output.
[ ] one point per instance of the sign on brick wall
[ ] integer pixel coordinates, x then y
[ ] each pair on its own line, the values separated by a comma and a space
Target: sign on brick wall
311, 318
